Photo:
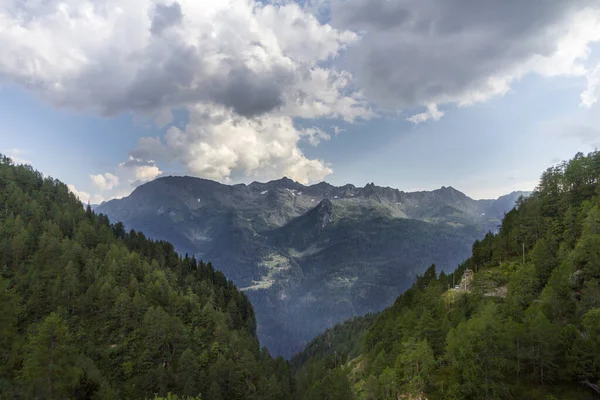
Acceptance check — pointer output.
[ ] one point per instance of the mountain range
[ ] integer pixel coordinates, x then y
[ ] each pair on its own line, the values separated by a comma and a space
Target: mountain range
311, 256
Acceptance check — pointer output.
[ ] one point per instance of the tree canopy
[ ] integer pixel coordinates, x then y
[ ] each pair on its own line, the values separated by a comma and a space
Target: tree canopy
91, 311
528, 327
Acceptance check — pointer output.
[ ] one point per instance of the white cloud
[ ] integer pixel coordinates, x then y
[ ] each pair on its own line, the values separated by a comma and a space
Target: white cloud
17, 156
245, 69
254, 64
431, 113
136, 171
126, 177
85, 197
315, 135
105, 181
337, 130
589, 97
220, 144
146, 173
112, 56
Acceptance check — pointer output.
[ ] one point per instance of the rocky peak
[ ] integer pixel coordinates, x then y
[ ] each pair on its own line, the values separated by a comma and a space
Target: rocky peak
449, 193
285, 183
324, 213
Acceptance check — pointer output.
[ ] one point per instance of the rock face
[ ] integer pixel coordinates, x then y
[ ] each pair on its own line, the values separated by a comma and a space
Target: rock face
310, 256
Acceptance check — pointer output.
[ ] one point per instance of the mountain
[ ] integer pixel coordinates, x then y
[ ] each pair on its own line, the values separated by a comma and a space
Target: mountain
519, 325
88, 311
310, 256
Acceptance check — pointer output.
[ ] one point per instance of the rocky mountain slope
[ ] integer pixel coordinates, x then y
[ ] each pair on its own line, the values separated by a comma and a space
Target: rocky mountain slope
310, 256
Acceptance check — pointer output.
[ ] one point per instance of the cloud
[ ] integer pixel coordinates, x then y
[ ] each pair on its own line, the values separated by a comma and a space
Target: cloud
105, 181
337, 130
254, 64
240, 54
85, 197
136, 171
16, 155
146, 173
589, 97
164, 118
419, 52
219, 144
431, 113
127, 176
315, 135
165, 16
246, 69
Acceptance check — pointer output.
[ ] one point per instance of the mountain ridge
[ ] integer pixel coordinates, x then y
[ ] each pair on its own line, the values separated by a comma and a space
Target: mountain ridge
288, 245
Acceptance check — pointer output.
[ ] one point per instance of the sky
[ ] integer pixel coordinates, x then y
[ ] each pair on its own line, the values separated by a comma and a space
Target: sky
483, 96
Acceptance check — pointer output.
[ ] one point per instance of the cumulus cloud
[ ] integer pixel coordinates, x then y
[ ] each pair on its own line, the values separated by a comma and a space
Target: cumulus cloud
418, 52
127, 176
246, 69
165, 16
246, 62
105, 181
219, 144
85, 197
241, 54
589, 97
136, 171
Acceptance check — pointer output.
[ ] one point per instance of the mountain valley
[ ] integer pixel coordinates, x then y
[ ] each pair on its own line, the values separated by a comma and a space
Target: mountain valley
310, 256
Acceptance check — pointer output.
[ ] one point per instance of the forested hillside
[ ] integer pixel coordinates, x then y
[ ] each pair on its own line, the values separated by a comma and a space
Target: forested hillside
527, 326
90, 311
309, 257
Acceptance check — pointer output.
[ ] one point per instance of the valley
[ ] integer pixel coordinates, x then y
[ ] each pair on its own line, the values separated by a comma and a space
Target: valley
310, 256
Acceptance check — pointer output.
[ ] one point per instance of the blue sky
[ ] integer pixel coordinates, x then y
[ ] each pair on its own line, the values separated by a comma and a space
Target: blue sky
318, 100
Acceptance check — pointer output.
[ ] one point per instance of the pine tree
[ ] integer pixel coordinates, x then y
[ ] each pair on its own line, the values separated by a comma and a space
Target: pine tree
50, 365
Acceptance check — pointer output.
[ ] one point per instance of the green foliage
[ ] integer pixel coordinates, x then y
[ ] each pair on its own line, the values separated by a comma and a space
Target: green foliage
90, 311
414, 366
171, 396
334, 385
50, 365
530, 326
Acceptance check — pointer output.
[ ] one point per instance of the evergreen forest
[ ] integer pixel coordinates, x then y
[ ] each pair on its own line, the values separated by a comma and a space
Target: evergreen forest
526, 325
91, 311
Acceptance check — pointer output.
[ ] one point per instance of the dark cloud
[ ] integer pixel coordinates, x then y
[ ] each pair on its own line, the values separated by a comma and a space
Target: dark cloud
421, 51
178, 79
165, 16
249, 93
